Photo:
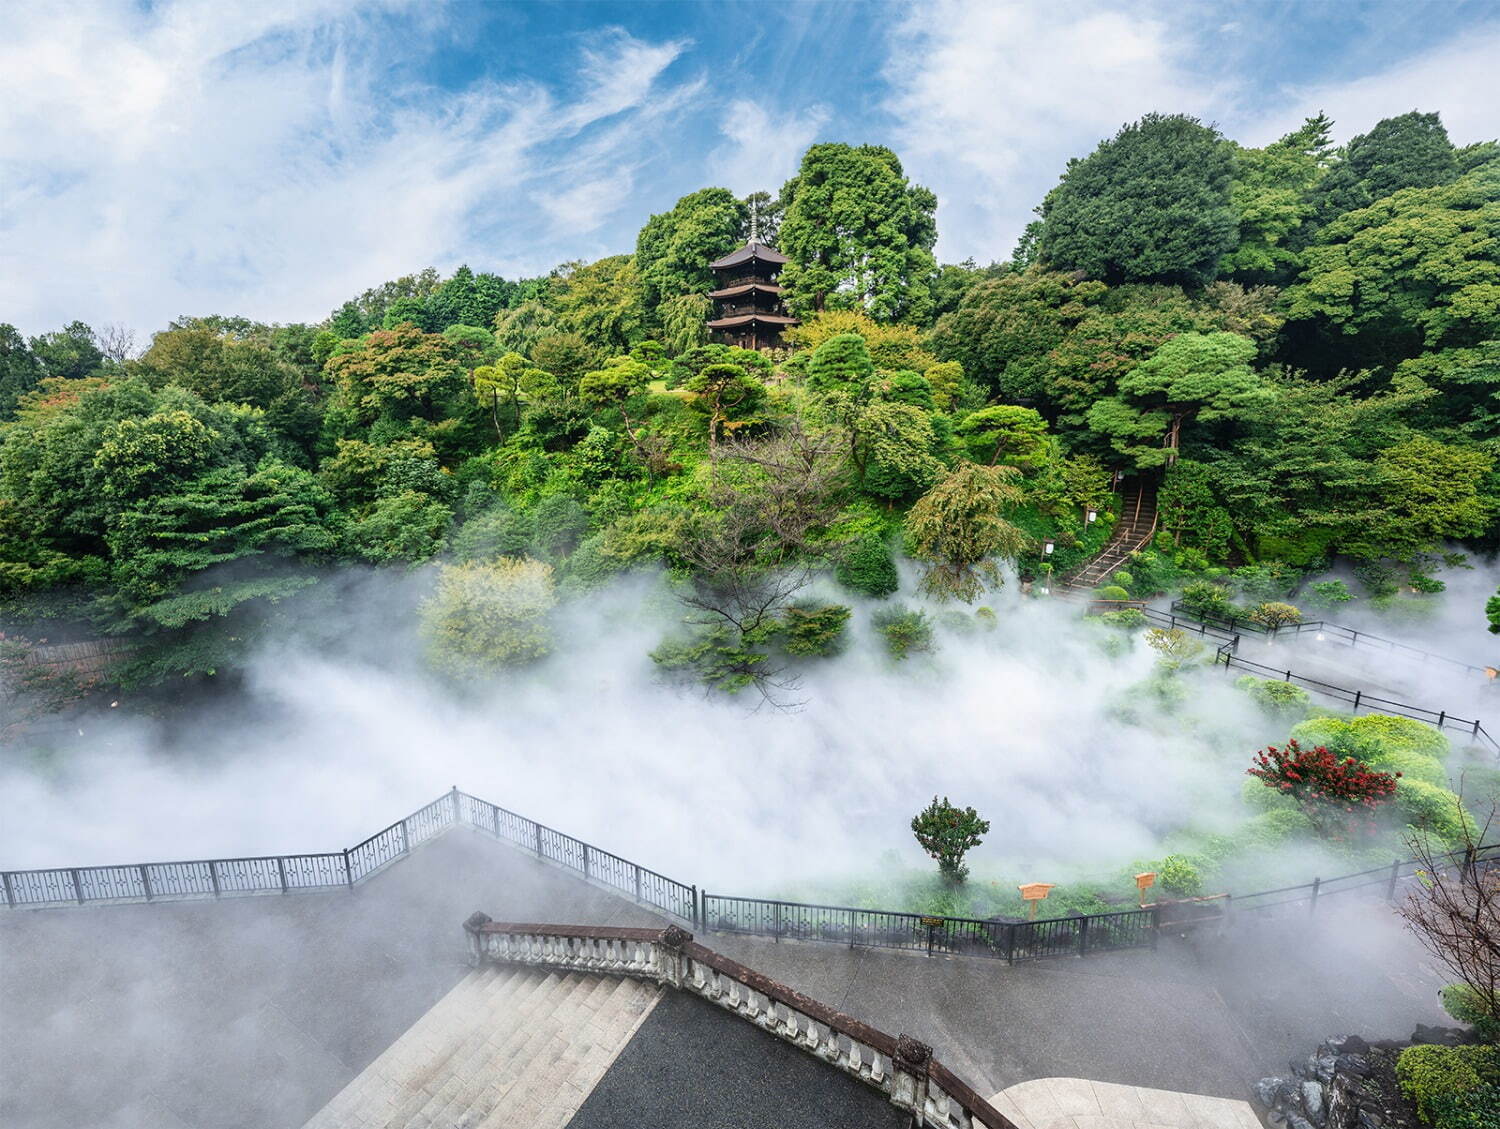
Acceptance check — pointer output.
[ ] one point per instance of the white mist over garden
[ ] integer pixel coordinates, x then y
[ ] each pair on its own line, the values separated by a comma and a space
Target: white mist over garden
1051, 735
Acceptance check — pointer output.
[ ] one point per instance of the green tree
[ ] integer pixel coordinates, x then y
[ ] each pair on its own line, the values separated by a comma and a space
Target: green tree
859, 235
403, 527
20, 370
1272, 194
1150, 205
1411, 150
603, 302
483, 618
1193, 376
960, 525
673, 250
947, 833
1419, 269
399, 374
1428, 492
840, 361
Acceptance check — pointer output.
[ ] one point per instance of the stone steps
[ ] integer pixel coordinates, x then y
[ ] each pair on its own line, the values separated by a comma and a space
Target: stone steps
506, 1047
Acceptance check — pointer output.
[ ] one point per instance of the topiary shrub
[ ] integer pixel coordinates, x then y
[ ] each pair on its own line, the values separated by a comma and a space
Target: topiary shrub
1329, 594
1402, 734
1428, 1074
1180, 876
1433, 809
906, 631
1126, 619
1274, 614
1467, 1006
869, 568
1275, 696
1477, 1109
1411, 766
1111, 592
1123, 578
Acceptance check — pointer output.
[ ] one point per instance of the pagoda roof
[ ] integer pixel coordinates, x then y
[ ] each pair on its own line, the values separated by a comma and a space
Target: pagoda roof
746, 319
757, 251
745, 288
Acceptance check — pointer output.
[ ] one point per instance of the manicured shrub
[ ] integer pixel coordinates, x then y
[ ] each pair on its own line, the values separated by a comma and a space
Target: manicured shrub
814, 630
1433, 809
1428, 1074
1123, 578
1126, 619
1180, 876
1336, 793
1476, 1109
1274, 614
1204, 598
906, 631
1402, 734
1329, 594
868, 568
1111, 592
1411, 766
947, 833
1275, 696
1467, 1006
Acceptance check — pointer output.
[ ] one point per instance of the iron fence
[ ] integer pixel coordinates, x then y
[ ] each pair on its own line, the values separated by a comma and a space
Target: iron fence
1001, 938
1358, 699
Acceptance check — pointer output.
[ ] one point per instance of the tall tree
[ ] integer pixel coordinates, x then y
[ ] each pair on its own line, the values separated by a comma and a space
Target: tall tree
673, 250
960, 526
1411, 150
859, 234
20, 370
1150, 205
1272, 193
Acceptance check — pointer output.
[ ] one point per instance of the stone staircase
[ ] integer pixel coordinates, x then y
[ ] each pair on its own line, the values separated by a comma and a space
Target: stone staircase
1134, 530
507, 1047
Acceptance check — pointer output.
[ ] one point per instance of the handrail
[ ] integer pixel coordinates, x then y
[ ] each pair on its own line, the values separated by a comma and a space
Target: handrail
1354, 637
902, 1068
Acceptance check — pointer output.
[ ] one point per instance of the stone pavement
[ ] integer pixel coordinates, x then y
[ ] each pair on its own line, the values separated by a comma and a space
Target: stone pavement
256, 1011
1076, 1103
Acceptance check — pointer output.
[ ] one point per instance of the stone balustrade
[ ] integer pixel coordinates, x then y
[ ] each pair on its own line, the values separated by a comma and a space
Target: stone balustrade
901, 1068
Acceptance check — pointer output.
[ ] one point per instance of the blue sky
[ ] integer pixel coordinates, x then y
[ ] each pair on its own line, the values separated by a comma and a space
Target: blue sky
273, 158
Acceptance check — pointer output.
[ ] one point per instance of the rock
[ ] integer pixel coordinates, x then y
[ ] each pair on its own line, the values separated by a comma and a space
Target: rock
1323, 1067
1312, 1101
1267, 1090
1354, 1064
1295, 1121
1276, 1119
1441, 1036
1368, 1120
1304, 1067
1350, 1045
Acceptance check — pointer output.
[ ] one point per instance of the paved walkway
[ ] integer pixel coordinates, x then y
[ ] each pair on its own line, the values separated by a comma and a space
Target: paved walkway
254, 1012
1077, 1103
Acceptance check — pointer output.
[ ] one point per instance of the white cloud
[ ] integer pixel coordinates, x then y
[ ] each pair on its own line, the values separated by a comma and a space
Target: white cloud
265, 159
991, 99
1457, 78
762, 147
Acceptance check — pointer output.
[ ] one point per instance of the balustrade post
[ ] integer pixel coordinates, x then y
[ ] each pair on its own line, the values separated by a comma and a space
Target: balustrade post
77, 885
348, 871
495, 819
1390, 887
1442, 717
538, 837
587, 867
668, 955
1083, 935
10, 890
454, 794
909, 1083
637, 883
281, 872
405, 838
213, 875
145, 880
1358, 694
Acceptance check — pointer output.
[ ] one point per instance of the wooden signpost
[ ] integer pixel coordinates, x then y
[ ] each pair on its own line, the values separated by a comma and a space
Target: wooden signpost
1033, 893
1144, 882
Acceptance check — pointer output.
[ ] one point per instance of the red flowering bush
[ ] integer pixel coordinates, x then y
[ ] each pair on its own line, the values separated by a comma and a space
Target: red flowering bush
1334, 792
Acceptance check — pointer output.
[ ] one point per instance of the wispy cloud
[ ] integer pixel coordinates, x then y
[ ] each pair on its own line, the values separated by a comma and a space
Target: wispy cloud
762, 147
272, 159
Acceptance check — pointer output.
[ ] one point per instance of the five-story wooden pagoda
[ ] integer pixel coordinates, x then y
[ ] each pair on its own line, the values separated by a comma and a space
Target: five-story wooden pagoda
747, 302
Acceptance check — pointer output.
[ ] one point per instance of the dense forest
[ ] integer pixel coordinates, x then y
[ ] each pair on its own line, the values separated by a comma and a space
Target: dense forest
1300, 343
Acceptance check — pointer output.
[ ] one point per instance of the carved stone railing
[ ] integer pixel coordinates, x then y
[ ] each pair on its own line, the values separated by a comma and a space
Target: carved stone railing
901, 1068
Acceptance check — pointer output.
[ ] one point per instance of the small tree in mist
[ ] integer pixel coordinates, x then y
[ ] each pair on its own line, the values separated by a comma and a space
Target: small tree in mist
1335, 793
1454, 910
484, 617
959, 525
947, 833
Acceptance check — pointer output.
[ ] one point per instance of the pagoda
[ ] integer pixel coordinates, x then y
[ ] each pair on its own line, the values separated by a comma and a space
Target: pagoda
747, 302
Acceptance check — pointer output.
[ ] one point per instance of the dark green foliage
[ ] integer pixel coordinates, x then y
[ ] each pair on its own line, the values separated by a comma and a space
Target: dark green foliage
1429, 1073
559, 523
1467, 1006
906, 630
1190, 510
1478, 1108
495, 532
840, 362
1150, 205
947, 833
814, 629
718, 658
20, 370
868, 567
674, 249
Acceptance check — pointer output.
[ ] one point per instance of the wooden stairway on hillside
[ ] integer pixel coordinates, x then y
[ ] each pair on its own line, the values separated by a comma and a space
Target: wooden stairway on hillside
1134, 530
507, 1047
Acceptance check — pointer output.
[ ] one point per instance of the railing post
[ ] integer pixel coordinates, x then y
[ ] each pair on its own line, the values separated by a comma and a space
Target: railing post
495, 818
1442, 717
776, 927
1010, 943
213, 874
454, 794
10, 892
700, 918
281, 872
145, 880
348, 871
538, 836
587, 867
77, 885
637, 882
1476, 728
405, 838
1155, 924
1358, 694
1390, 887
1312, 906
1083, 935
1288, 676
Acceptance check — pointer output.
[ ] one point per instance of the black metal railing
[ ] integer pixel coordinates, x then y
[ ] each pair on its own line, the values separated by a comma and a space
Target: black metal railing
292, 874
1005, 939
1324, 630
1226, 655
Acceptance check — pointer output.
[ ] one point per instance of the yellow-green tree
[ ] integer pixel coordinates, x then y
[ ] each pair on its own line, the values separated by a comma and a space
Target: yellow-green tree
959, 527
486, 616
